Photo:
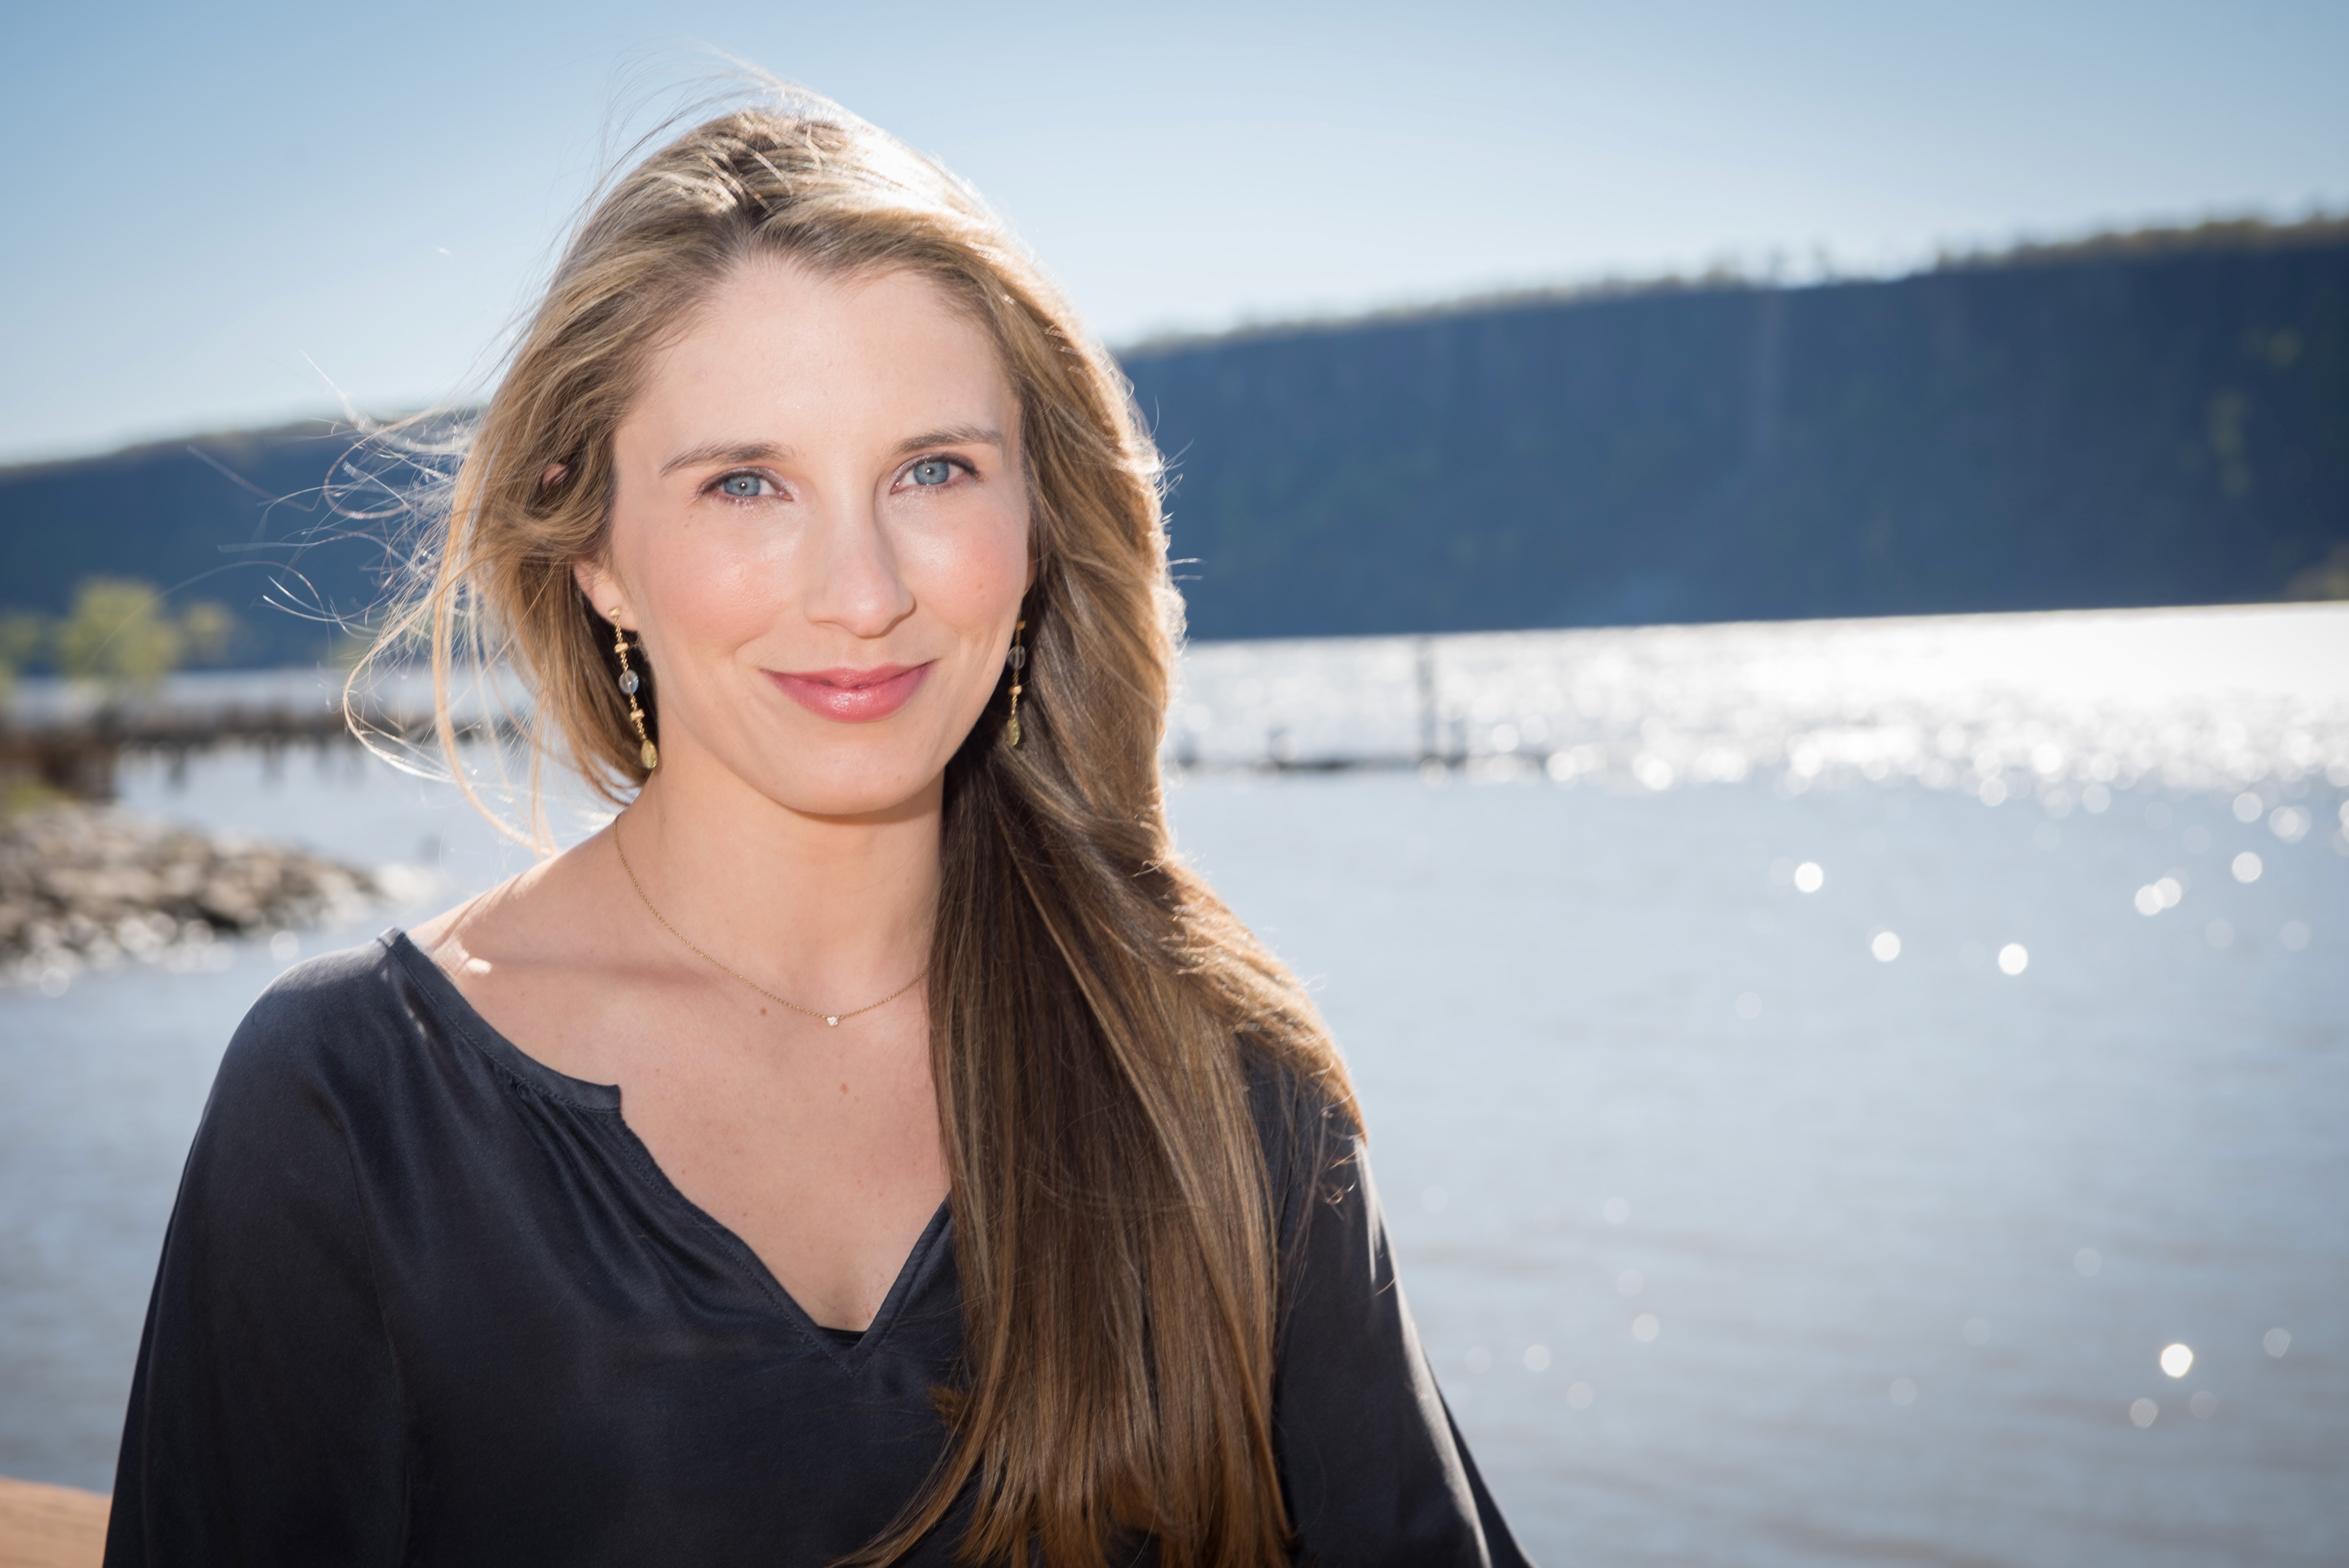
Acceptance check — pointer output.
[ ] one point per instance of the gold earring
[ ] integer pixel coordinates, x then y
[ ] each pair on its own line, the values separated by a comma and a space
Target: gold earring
645, 750
1017, 661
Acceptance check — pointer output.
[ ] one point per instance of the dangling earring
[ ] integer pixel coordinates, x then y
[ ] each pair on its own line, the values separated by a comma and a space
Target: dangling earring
645, 750
1017, 661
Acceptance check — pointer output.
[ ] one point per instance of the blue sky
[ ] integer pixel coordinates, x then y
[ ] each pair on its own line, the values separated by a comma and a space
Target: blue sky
226, 214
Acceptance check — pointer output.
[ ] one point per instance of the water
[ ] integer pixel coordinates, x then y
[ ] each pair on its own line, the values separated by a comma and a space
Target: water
2199, 698
1909, 1238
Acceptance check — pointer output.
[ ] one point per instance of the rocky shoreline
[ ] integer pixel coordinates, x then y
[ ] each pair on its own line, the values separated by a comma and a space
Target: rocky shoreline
86, 887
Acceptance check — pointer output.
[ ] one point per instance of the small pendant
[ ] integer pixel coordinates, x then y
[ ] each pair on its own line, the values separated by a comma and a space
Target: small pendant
832, 1021
651, 755
1011, 731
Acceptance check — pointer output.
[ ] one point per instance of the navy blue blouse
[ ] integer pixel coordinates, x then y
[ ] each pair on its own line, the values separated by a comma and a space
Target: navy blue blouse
425, 1300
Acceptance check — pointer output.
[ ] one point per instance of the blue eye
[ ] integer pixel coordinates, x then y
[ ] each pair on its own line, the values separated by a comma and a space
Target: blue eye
742, 486
931, 471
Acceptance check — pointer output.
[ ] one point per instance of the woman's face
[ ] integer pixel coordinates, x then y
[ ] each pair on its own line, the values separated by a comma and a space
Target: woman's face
819, 530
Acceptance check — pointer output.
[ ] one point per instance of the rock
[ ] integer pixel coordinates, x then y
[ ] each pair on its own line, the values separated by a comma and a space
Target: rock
90, 885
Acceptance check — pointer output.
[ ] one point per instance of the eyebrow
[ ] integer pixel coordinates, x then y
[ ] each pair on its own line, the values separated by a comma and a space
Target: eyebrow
721, 452
726, 451
952, 435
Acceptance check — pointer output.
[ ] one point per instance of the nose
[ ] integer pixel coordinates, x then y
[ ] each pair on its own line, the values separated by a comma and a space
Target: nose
855, 583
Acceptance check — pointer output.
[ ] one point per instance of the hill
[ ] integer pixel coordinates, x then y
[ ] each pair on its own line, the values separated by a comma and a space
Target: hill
240, 518
2141, 419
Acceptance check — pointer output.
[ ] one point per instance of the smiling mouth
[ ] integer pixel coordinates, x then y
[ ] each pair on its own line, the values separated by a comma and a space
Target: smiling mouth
853, 696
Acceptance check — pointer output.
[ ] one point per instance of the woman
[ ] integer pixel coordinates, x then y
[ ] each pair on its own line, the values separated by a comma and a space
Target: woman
874, 1146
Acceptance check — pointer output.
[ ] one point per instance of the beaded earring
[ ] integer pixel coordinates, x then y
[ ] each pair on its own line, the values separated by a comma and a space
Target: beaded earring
629, 682
1018, 659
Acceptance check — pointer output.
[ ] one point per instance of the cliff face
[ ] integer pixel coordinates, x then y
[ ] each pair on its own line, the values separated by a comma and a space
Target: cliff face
2104, 426
2162, 420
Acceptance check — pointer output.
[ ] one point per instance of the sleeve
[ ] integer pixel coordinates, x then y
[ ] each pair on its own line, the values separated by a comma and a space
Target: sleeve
1376, 1472
265, 1425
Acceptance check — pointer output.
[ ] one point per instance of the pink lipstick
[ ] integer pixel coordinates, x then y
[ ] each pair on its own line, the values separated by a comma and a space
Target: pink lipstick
853, 696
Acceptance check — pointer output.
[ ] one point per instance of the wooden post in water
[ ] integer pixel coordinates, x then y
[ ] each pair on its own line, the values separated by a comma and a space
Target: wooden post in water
1427, 715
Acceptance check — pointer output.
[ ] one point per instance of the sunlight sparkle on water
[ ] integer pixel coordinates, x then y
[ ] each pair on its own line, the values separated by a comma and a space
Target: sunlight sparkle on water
1886, 946
1537, 1358
1580, 1396
2176, 1360
2247, 867
2014, 959
2144, 1413
2248, 807
2275, 1342
1809, 878
1645, 1327
2061, 709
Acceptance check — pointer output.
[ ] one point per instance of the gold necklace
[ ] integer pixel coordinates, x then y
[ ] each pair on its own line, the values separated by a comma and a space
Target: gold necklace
831, 1020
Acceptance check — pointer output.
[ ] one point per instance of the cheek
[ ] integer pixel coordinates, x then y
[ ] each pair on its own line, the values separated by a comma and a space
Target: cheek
971, 579
702, 585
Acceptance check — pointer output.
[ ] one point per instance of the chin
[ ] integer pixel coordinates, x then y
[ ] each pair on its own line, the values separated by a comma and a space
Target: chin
854, 786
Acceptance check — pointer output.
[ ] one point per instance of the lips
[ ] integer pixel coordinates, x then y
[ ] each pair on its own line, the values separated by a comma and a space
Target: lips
852, 696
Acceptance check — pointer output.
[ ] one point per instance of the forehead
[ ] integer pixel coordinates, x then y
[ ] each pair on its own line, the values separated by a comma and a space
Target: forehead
776, 341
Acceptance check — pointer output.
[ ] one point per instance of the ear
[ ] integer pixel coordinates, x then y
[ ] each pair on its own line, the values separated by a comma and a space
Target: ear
596, 580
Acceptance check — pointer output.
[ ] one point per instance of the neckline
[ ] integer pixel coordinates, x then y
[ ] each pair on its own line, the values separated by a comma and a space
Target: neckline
441, 994
484, 1036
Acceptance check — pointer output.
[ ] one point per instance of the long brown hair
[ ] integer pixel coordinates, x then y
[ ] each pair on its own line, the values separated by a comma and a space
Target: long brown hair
1097, 1012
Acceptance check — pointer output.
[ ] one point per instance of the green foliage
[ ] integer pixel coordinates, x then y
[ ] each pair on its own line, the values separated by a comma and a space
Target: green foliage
23, 635
2328, 579
209, 631
117, 635
122, 636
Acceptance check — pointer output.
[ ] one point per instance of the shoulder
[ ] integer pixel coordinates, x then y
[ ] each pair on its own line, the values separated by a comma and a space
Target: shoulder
1309, 1135
1293, 1100
308, 1079
325, 1021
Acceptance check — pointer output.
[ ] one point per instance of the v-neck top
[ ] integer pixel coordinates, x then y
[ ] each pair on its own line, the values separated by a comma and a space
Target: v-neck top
425, 1300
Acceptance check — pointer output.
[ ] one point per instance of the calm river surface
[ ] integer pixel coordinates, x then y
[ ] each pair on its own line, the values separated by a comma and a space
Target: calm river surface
1738, 1232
